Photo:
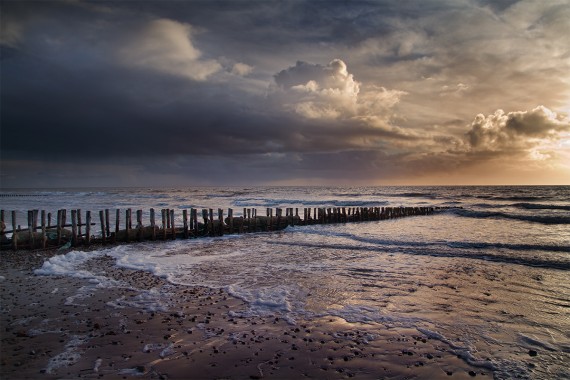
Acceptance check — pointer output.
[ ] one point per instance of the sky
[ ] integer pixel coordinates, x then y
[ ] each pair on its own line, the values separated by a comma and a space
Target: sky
198, 93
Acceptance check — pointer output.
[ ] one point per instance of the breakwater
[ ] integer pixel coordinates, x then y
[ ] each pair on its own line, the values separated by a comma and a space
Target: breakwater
76, 228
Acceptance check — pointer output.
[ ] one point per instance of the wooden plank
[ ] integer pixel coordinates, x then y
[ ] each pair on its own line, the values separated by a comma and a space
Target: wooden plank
211, 222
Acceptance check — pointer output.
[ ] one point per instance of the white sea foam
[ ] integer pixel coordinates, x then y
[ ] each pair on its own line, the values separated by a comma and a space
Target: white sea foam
69, 356
97, 365
68, 264
149, 300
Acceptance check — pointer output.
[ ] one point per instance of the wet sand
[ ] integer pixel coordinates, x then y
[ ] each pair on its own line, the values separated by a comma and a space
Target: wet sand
57, 327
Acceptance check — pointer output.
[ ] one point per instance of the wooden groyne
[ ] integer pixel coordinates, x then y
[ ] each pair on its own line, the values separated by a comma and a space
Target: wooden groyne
78, 228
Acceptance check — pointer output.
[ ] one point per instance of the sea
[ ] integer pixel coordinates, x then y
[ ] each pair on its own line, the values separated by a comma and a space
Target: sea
489, 278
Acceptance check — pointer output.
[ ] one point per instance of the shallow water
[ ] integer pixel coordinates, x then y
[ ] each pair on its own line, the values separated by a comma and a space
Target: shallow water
489, 281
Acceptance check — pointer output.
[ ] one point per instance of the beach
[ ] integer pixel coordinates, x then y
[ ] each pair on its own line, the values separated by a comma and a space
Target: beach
478, 290
61, 327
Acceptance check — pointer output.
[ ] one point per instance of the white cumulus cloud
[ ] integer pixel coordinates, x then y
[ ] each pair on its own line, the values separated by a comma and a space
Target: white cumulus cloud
330, 92
516, 130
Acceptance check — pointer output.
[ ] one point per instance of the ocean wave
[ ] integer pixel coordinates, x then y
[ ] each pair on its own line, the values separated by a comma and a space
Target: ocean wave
272, 202
521, 198
540, 206
542, 219
427, 249
408, 195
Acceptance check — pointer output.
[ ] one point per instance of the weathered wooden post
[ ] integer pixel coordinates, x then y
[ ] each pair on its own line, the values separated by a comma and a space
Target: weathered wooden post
14, 233
195, 219
221, 220
44, 235
231, 220
31, 228
117, 223
140, 232
2, 225
78, 223
163, 215
73, 227
248, 220
206, 223
59, 228
152, 225
87, 227
278, 213
35, 220
107, 228
172, 227
185, 223
128, 223
49, 219
103, 229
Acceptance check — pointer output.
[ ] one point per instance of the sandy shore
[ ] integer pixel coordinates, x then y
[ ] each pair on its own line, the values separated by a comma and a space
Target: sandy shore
63, 327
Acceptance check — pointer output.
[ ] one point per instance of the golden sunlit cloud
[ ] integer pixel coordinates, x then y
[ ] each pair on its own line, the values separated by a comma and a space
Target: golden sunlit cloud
165, 45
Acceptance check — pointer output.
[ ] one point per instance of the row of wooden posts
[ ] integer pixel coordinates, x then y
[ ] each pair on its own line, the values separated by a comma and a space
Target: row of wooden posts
42, 234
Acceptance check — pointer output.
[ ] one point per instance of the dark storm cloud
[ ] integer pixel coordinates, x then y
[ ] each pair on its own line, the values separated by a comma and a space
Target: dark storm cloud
305, 89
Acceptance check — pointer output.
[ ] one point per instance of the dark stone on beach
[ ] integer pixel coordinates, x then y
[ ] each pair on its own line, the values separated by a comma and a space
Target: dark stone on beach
449, 373
532, 353
429, 356
472, 373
